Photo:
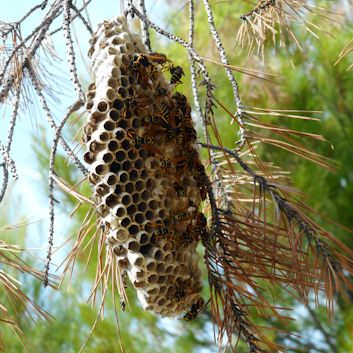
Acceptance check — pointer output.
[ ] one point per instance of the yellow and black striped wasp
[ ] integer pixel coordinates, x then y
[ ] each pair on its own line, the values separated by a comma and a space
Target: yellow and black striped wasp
195, 309
176, 72
138, 141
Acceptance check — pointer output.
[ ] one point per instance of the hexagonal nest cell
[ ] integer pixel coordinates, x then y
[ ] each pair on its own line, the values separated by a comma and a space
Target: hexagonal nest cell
145, 169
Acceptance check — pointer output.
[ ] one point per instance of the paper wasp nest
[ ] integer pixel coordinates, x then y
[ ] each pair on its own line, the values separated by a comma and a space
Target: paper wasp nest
147, 175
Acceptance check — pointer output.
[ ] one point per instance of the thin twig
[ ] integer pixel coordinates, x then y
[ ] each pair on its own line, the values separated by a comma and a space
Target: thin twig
5, 182
8, 162
192, 65
77, 105
70, 50
145, 34
80, 16
234, 83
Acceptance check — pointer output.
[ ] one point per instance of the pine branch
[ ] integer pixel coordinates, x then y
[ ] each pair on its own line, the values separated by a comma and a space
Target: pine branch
7, 77
274, 18
332, 262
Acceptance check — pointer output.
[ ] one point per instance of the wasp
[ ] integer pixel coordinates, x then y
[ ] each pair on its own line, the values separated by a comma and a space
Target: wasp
122, 304
179, 98
131, 103
178, 118
182, 215
187, 117
164, 164
187, 238
180, 290
163, 111
139, 59
179, 136
191, 133
162, 233
181, 164
170, 132
176, 72
158, 58
158, 121
179, 189
152, 73
181, 102
144, 69
162, 91
200, 178
200, 228
196, 232
194, 310
184, 162
138, 141
150, 120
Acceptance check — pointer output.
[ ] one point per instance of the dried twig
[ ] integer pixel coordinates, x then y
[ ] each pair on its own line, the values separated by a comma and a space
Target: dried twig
7, 77
145, 34
80, 16
192, 65
5, 150
70, 50
224, 59
77, 105
12, 26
